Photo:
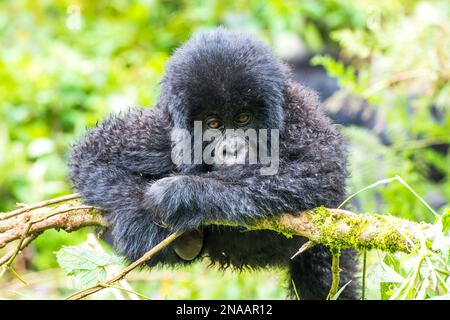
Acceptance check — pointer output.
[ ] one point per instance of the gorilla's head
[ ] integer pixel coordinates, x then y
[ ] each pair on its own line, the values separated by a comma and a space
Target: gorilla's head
225, 79
222, 80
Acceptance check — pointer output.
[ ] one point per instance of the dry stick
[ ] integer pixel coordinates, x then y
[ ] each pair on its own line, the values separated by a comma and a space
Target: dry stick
307, 245
20, 227
8, 259
147, 256
39, 205
11, 253
69, 216
80, 207
8, 264
46, 219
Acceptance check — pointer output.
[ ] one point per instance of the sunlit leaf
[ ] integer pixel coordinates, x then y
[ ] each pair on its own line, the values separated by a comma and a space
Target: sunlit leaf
87, 266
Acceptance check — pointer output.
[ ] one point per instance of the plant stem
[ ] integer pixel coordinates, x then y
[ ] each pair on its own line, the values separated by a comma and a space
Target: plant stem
335, 274
363, 293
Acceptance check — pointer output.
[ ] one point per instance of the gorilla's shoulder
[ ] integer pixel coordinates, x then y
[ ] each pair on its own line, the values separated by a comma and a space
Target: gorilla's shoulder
129, 138
151, 119
307, 129
127, 126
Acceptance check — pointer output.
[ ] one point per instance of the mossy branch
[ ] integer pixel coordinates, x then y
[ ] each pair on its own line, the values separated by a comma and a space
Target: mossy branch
335, 228
341, 229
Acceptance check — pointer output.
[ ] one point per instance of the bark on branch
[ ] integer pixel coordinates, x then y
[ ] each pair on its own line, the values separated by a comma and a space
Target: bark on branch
332, 227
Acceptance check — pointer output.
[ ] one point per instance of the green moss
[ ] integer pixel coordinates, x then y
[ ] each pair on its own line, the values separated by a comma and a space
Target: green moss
339, 230
269, 224
362, 232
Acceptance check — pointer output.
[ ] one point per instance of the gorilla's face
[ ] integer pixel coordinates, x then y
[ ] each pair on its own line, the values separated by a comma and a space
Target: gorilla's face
231, 132
225, 81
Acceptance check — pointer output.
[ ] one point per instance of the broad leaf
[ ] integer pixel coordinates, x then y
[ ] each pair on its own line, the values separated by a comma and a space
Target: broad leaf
87, 266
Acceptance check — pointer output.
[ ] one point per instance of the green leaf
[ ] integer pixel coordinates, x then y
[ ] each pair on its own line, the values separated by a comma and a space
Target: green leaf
387, 289
87, 266
336, 296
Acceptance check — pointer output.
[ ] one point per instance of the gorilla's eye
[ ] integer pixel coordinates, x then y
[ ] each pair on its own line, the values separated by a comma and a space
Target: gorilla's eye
213, 123
243, 118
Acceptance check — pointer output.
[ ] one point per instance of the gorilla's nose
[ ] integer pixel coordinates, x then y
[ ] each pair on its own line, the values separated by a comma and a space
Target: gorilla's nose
232, 145
233, 150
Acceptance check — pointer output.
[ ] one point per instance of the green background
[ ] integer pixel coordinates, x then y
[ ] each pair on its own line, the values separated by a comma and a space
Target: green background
65, 65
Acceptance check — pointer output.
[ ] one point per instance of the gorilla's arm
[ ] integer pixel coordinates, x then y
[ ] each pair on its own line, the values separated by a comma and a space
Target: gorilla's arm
187, 201
114, 164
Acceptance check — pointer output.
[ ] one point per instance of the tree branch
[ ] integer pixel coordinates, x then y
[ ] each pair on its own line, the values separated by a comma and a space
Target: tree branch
341, 229
69, 216
335, 228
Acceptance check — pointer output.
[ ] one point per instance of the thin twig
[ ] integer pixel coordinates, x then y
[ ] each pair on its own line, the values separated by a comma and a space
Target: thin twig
25, 239
307, 245
80, 207
147, 256
19, 246
25, 243
41, 204
14, 272
69, 216
129, 291
14, 254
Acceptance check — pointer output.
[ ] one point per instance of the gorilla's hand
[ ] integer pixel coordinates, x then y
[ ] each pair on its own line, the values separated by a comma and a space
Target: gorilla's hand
185, 202
175, 201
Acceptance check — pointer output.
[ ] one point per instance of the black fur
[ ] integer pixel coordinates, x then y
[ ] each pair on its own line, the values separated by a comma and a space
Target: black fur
124, 164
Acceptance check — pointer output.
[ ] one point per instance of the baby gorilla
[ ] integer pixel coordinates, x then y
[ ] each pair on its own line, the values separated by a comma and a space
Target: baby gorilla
131, 165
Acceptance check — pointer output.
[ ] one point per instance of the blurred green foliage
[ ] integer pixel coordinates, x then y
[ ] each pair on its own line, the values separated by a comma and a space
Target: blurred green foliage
64, 65
401, 66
